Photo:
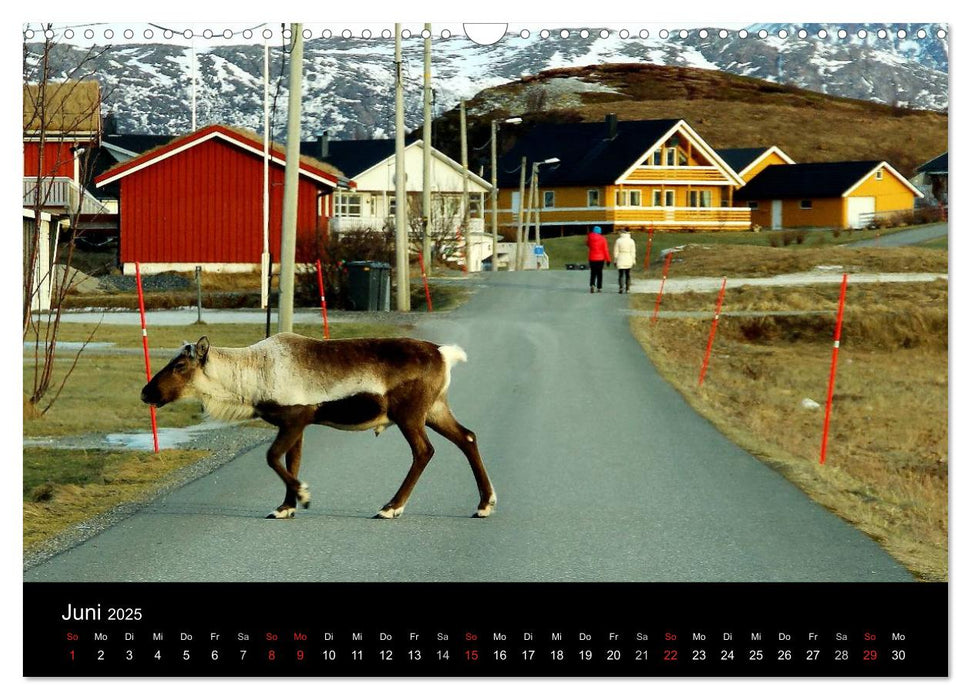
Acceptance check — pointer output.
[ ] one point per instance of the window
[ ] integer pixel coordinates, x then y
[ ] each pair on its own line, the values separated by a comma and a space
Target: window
628, 198
656, 157
671, 154
348, 205
693, 198
475, 206
391, 207
635, 198
806, 204
682, 158
549, 199
753, 205
879, 175
705, 198
593, 198
669, 198
515, 201
656, 198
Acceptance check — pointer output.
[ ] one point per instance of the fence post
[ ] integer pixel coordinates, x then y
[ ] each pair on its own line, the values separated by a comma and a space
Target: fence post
148, 363
323, 301
424, 278
711, 335
660, 292
647, 254
832, 370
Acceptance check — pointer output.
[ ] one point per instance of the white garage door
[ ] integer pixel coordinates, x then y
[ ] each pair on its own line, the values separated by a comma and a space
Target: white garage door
858, 210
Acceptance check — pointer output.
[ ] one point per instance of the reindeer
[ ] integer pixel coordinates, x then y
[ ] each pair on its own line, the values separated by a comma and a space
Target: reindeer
291, 382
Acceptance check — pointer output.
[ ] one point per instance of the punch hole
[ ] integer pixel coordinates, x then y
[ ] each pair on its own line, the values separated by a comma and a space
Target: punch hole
446, 34
783, 34
664, 33
545, 34
703, 33
524, 34
347, 34
485, 34
742, 34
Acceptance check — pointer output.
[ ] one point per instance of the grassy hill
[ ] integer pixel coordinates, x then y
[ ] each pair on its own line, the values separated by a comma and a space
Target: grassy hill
728, 111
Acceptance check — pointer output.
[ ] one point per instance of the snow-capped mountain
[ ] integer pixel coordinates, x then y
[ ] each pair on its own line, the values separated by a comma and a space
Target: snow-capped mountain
348, 84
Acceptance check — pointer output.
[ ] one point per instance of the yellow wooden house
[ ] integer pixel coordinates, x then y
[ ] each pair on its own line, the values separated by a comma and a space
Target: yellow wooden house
845, 194
749, 162
637, 175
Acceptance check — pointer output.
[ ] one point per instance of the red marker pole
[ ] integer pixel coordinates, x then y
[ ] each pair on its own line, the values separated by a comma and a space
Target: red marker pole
424, 279
832, 370
323, 300
148, 364
647, 254
660, 292
711, 336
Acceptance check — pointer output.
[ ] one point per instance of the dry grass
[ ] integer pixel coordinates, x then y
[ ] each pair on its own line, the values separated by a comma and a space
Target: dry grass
743, 261
88, 484
886, 467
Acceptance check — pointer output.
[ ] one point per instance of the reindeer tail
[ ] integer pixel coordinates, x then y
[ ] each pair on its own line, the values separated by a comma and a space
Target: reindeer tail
452, 354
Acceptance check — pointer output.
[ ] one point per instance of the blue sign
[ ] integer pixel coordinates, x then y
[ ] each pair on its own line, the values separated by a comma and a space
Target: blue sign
537, 250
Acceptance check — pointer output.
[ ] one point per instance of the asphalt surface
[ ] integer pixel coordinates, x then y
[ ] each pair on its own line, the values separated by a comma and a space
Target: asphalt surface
603, 473
911, 236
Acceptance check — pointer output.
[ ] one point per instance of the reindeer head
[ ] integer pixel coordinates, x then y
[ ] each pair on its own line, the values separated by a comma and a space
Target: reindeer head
170, 383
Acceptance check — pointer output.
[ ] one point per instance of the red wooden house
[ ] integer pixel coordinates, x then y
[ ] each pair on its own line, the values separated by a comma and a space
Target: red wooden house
198, 200
62, 123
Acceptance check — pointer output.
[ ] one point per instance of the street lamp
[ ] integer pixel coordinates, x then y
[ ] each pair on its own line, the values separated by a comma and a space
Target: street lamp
495, 188
534, 195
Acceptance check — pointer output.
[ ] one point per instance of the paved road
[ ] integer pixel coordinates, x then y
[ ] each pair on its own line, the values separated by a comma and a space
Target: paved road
911, 236
603, 474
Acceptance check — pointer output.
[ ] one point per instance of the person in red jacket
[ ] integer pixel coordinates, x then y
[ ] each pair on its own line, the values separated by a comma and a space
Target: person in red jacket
598, 252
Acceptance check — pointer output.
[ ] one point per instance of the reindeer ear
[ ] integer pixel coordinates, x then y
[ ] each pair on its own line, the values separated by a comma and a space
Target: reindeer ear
202, 348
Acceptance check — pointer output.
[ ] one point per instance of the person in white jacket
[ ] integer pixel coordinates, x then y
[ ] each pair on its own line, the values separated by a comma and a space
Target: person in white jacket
625, 254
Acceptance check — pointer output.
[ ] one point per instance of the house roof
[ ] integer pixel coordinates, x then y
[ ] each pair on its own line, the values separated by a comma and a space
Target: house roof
813, 180
71, 107
741, 159
134, 144
241, 138
587, 156
351, 156
935, 166
357, 157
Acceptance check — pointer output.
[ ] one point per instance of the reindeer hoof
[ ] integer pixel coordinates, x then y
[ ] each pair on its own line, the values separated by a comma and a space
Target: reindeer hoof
303, 495
389, 513
486, 510
282, 513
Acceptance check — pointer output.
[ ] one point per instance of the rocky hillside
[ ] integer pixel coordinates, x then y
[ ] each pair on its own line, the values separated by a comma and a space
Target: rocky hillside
727, 110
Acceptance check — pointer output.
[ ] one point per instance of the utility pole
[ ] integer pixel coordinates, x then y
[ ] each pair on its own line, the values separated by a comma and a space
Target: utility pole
522, 204
265, 256
401, 194
465, 188
426, 163
291, 181
494, 221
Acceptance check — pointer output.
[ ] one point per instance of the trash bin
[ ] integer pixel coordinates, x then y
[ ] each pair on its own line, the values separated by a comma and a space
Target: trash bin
369, 285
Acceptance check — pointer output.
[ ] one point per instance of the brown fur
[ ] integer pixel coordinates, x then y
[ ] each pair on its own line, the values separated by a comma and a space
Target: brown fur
292, 382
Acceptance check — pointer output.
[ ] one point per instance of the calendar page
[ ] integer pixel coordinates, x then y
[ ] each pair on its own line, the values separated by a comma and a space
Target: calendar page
613, 349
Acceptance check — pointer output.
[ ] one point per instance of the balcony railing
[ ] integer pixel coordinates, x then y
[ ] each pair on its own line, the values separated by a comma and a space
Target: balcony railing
62, 194
695, 173
340, 224
734, 216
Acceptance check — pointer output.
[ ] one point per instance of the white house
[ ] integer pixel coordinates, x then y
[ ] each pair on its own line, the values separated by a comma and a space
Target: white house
370, 163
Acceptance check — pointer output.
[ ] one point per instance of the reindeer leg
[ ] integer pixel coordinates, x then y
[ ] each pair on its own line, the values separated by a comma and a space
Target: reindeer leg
293, 466
421, 451
442, 421
289, 442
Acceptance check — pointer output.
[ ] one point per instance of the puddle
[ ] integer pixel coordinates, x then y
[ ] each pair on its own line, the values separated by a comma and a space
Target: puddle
70, 345
168, 438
